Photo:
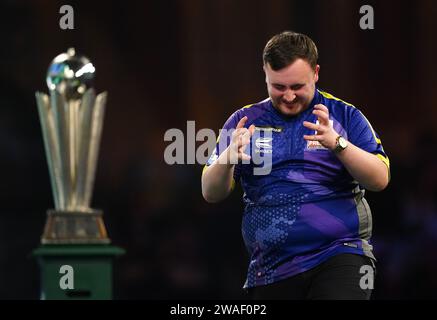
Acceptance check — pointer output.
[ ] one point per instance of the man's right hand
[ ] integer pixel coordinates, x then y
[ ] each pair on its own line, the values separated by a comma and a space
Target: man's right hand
239, 141
217, 178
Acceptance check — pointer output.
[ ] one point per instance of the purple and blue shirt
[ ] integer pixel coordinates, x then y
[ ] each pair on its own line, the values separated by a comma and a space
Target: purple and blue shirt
308, 208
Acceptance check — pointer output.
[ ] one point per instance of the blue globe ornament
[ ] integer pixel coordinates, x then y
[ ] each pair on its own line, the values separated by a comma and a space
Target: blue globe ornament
70, 74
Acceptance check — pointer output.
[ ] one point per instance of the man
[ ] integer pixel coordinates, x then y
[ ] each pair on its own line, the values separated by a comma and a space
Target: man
306, 224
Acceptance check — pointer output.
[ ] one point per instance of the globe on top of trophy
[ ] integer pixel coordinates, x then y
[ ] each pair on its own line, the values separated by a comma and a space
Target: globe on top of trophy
70, 74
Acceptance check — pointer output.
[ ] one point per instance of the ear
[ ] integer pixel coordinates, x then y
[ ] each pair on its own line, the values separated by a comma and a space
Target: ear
265, 72
316, 75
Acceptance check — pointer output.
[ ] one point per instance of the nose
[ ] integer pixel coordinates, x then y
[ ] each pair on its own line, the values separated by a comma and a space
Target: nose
289, 96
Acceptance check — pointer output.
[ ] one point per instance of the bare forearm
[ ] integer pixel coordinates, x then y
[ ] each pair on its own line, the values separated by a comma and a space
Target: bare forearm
217, 179
365, 167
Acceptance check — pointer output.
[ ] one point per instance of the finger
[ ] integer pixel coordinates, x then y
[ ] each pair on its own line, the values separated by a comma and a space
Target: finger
252, 129
321, 107
242, 148
311, 125
243, 137
238, 133
245, 156
242, 155
245, 140
322, 116
242, 133
324, 109
243, 143
247, 134
312, 137
242, 122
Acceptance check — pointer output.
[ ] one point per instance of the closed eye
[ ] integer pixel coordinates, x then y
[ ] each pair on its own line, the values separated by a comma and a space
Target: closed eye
279, 87
297, 86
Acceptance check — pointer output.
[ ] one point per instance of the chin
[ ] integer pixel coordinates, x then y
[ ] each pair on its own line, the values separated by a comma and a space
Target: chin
294, 110
290, 113
288, 110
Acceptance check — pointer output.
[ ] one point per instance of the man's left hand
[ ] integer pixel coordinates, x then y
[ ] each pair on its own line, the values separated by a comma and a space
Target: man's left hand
325, 133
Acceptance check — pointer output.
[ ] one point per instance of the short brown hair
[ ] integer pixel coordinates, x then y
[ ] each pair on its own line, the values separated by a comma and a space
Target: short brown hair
286, 47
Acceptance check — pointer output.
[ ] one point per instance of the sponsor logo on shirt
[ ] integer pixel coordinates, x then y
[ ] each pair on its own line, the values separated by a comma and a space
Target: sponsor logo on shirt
268, 128
316, 145
263, 145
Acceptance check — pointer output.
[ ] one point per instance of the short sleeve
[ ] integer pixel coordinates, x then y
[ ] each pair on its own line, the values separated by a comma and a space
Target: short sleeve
361, 134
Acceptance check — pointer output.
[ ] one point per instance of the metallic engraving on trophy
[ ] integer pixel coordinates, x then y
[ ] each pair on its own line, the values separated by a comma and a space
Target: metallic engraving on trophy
72, 121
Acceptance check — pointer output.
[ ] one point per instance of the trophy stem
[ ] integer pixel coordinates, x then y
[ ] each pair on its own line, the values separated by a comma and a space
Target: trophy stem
73, 109
50, 144
96, 132
84, 136
61, 128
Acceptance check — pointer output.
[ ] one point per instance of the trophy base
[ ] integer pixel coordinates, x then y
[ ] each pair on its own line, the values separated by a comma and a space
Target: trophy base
71, 227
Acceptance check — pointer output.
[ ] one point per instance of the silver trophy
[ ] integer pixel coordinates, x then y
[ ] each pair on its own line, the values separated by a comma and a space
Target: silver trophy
72, 120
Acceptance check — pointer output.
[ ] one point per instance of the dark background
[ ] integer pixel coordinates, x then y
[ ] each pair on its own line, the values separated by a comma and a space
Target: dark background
166, 62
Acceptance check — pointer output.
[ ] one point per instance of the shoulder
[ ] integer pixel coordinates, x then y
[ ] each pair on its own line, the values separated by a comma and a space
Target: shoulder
344, 112
334, 102
252, 111
337, 107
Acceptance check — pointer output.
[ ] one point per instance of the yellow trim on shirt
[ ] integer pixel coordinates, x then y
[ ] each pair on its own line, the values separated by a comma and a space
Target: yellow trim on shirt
330, 96
386, 160
204, 169
248, 106
233, 183
378, 141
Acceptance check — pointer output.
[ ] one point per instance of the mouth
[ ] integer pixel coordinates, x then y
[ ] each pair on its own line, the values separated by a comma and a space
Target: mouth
290, 105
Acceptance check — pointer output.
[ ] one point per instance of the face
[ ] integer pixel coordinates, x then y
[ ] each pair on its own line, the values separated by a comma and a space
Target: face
291, 89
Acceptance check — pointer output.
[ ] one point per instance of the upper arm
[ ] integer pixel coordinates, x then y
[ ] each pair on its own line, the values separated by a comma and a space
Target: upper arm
362, 134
